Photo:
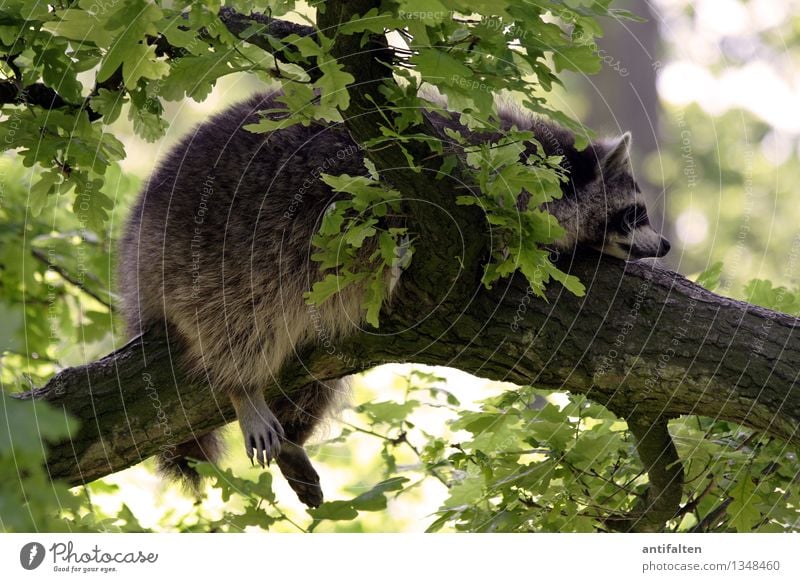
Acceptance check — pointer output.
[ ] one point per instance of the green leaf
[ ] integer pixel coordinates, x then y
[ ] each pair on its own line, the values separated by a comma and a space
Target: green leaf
108, 104
334, 510
375, 498
39, 193
570, 282
149, 125
59, 73
373, 299
466, 492
365, 191
29, 424
742, 511
535, 477
582, 59
387, 244
440, 68
502, 434
761, 292
330, 285
80, 25
129, 49
9, 34
710, 277
298, 98
174, 29
372, 500
387, 412
548, 426
29, 499
428, 11
332, 220
591, 449
356, 235
322, 290
372, 21
92, 206
195, 76
333, 87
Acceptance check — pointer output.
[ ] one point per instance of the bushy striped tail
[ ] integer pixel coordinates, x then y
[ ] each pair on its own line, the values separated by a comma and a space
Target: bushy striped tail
174, 464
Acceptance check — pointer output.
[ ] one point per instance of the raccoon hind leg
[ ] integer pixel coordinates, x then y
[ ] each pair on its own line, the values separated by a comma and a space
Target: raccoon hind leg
300, 416
300, 474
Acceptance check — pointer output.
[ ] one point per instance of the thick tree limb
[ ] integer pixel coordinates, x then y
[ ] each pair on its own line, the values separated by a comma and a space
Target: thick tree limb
439, 223
610, 344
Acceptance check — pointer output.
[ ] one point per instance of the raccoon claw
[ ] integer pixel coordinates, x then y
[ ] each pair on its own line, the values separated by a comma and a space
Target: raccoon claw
263, 441
262, 432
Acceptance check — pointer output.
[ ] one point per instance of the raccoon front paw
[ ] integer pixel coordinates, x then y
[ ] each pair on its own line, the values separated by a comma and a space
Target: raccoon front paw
263, 433
263, 440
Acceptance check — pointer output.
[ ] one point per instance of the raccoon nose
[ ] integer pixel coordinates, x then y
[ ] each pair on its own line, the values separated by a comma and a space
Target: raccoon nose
663, 247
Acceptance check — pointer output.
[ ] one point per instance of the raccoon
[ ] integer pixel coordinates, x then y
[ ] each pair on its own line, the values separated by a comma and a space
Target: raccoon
217, 251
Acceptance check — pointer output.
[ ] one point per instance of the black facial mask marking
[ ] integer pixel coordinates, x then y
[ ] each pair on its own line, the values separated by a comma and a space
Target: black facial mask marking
627, 219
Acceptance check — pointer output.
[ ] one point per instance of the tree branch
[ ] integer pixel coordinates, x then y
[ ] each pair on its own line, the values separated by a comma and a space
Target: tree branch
135, 402
262, 31
42, 257
662, 499
453, 262
35, 94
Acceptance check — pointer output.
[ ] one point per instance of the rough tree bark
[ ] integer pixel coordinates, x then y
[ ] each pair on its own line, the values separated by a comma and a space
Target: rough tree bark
646, 343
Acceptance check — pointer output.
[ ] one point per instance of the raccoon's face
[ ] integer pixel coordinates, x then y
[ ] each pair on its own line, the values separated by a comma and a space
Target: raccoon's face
630, 236
625, 230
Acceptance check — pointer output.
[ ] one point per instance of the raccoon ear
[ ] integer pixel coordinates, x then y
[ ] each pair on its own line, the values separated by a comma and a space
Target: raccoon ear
616, 160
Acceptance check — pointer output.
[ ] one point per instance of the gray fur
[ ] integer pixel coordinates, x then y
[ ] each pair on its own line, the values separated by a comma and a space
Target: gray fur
217, 251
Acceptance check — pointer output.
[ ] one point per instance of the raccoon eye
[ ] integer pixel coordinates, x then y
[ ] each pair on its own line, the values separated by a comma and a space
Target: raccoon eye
629, 219
636, 216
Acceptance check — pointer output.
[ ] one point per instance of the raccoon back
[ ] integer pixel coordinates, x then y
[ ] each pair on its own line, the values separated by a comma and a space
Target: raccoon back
218, 244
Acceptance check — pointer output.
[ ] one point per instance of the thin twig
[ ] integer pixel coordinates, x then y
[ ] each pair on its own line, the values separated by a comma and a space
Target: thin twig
39, 255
